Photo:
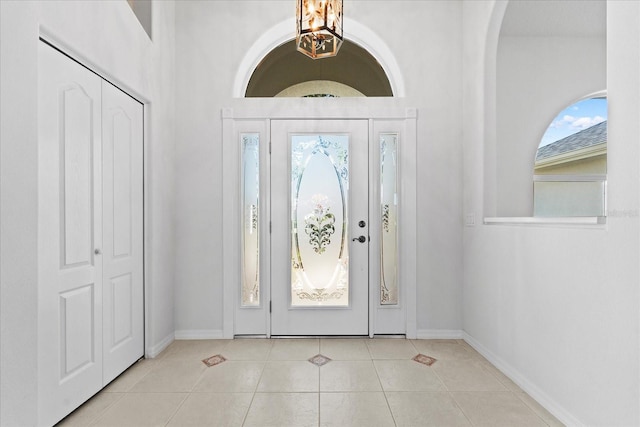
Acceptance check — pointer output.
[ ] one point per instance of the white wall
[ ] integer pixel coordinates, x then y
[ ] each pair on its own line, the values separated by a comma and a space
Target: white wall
537, 77
207, 58
557, 308
107, 37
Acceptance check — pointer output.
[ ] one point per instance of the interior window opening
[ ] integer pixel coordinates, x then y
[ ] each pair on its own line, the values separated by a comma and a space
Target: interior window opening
570, 170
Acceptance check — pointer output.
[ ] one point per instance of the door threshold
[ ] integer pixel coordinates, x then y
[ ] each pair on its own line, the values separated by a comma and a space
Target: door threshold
319, 336
258, 336
401, 336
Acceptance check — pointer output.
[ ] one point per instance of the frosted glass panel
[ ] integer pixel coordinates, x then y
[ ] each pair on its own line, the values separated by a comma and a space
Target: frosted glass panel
389, 215
250, 228
568, 198
319, 195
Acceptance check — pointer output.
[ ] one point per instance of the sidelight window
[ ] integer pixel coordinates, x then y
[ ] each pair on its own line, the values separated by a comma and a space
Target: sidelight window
250, 217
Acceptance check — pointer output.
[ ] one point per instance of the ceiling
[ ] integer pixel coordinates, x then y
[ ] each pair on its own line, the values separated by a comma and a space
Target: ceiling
578, 18
284, 66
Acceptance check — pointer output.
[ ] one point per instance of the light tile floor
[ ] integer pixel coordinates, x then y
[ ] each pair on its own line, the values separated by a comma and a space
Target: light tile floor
368, 382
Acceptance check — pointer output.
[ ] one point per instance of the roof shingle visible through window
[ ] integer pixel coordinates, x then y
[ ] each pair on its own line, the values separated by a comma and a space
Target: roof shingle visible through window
589, 137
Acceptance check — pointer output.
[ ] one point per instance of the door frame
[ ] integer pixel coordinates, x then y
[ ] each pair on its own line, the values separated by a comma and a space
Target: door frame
254, 115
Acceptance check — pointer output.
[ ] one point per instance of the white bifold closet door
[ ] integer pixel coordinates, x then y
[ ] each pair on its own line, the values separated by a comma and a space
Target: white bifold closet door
90, 234
122, 228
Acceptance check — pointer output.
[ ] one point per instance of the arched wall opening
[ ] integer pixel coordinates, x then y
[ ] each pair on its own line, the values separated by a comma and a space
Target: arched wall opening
357, 34
284, 67
489, 108
536, 66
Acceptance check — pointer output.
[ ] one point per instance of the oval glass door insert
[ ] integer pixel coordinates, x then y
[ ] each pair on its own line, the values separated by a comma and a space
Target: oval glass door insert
319, 217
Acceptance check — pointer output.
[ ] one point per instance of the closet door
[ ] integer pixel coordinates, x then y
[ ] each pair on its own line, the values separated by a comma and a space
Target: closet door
122, 249
90, 234
69, 235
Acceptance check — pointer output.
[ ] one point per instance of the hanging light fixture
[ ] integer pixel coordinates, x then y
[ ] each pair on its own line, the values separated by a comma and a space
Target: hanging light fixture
319, 27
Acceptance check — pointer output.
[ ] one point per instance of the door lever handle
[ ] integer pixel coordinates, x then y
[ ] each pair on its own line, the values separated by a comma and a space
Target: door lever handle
360, 239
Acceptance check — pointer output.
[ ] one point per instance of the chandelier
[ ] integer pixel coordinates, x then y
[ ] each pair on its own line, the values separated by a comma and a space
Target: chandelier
319, 27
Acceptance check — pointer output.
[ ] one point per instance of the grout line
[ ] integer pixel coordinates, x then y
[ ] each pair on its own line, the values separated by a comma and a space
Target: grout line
253, 395
244, 419
268, 356
518, 395
135, 383
384, 392
455, 402
319, 403
97, 416
435, 372
184, 399
319, 387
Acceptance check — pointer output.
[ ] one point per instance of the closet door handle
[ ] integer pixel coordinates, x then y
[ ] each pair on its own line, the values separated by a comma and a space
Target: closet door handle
97, 251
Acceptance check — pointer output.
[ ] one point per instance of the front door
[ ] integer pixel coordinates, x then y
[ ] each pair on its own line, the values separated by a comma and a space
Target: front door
319, 219
319, 227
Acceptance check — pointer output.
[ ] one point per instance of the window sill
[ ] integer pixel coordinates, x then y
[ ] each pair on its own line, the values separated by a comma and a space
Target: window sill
578, 221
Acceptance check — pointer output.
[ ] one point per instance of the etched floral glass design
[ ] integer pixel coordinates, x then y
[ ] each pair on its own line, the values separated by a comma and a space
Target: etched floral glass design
319, 194
389, 215
250, 214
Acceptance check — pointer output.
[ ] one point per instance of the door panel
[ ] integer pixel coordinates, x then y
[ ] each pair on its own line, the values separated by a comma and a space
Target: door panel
123, 339
76, 321
69, 205
319, 195
77, 172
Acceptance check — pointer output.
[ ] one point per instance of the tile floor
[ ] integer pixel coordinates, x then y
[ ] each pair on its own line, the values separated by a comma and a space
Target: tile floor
368, 382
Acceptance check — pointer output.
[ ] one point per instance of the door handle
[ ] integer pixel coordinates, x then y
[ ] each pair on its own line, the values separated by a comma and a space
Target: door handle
360, 239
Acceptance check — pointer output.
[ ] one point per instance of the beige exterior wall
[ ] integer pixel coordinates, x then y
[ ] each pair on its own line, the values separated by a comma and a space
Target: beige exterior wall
592, 165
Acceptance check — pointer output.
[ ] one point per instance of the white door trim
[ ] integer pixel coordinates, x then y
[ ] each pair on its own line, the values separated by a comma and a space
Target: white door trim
257, 112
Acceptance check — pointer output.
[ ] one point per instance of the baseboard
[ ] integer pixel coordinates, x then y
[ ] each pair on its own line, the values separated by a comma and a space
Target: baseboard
158, 348
199, 334
532, 390
440, 334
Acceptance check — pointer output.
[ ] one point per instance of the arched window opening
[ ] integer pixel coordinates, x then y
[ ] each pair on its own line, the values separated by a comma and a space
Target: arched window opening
570, 170
286, 72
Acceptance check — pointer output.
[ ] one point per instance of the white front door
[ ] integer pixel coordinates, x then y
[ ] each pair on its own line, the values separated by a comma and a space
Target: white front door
319, 227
